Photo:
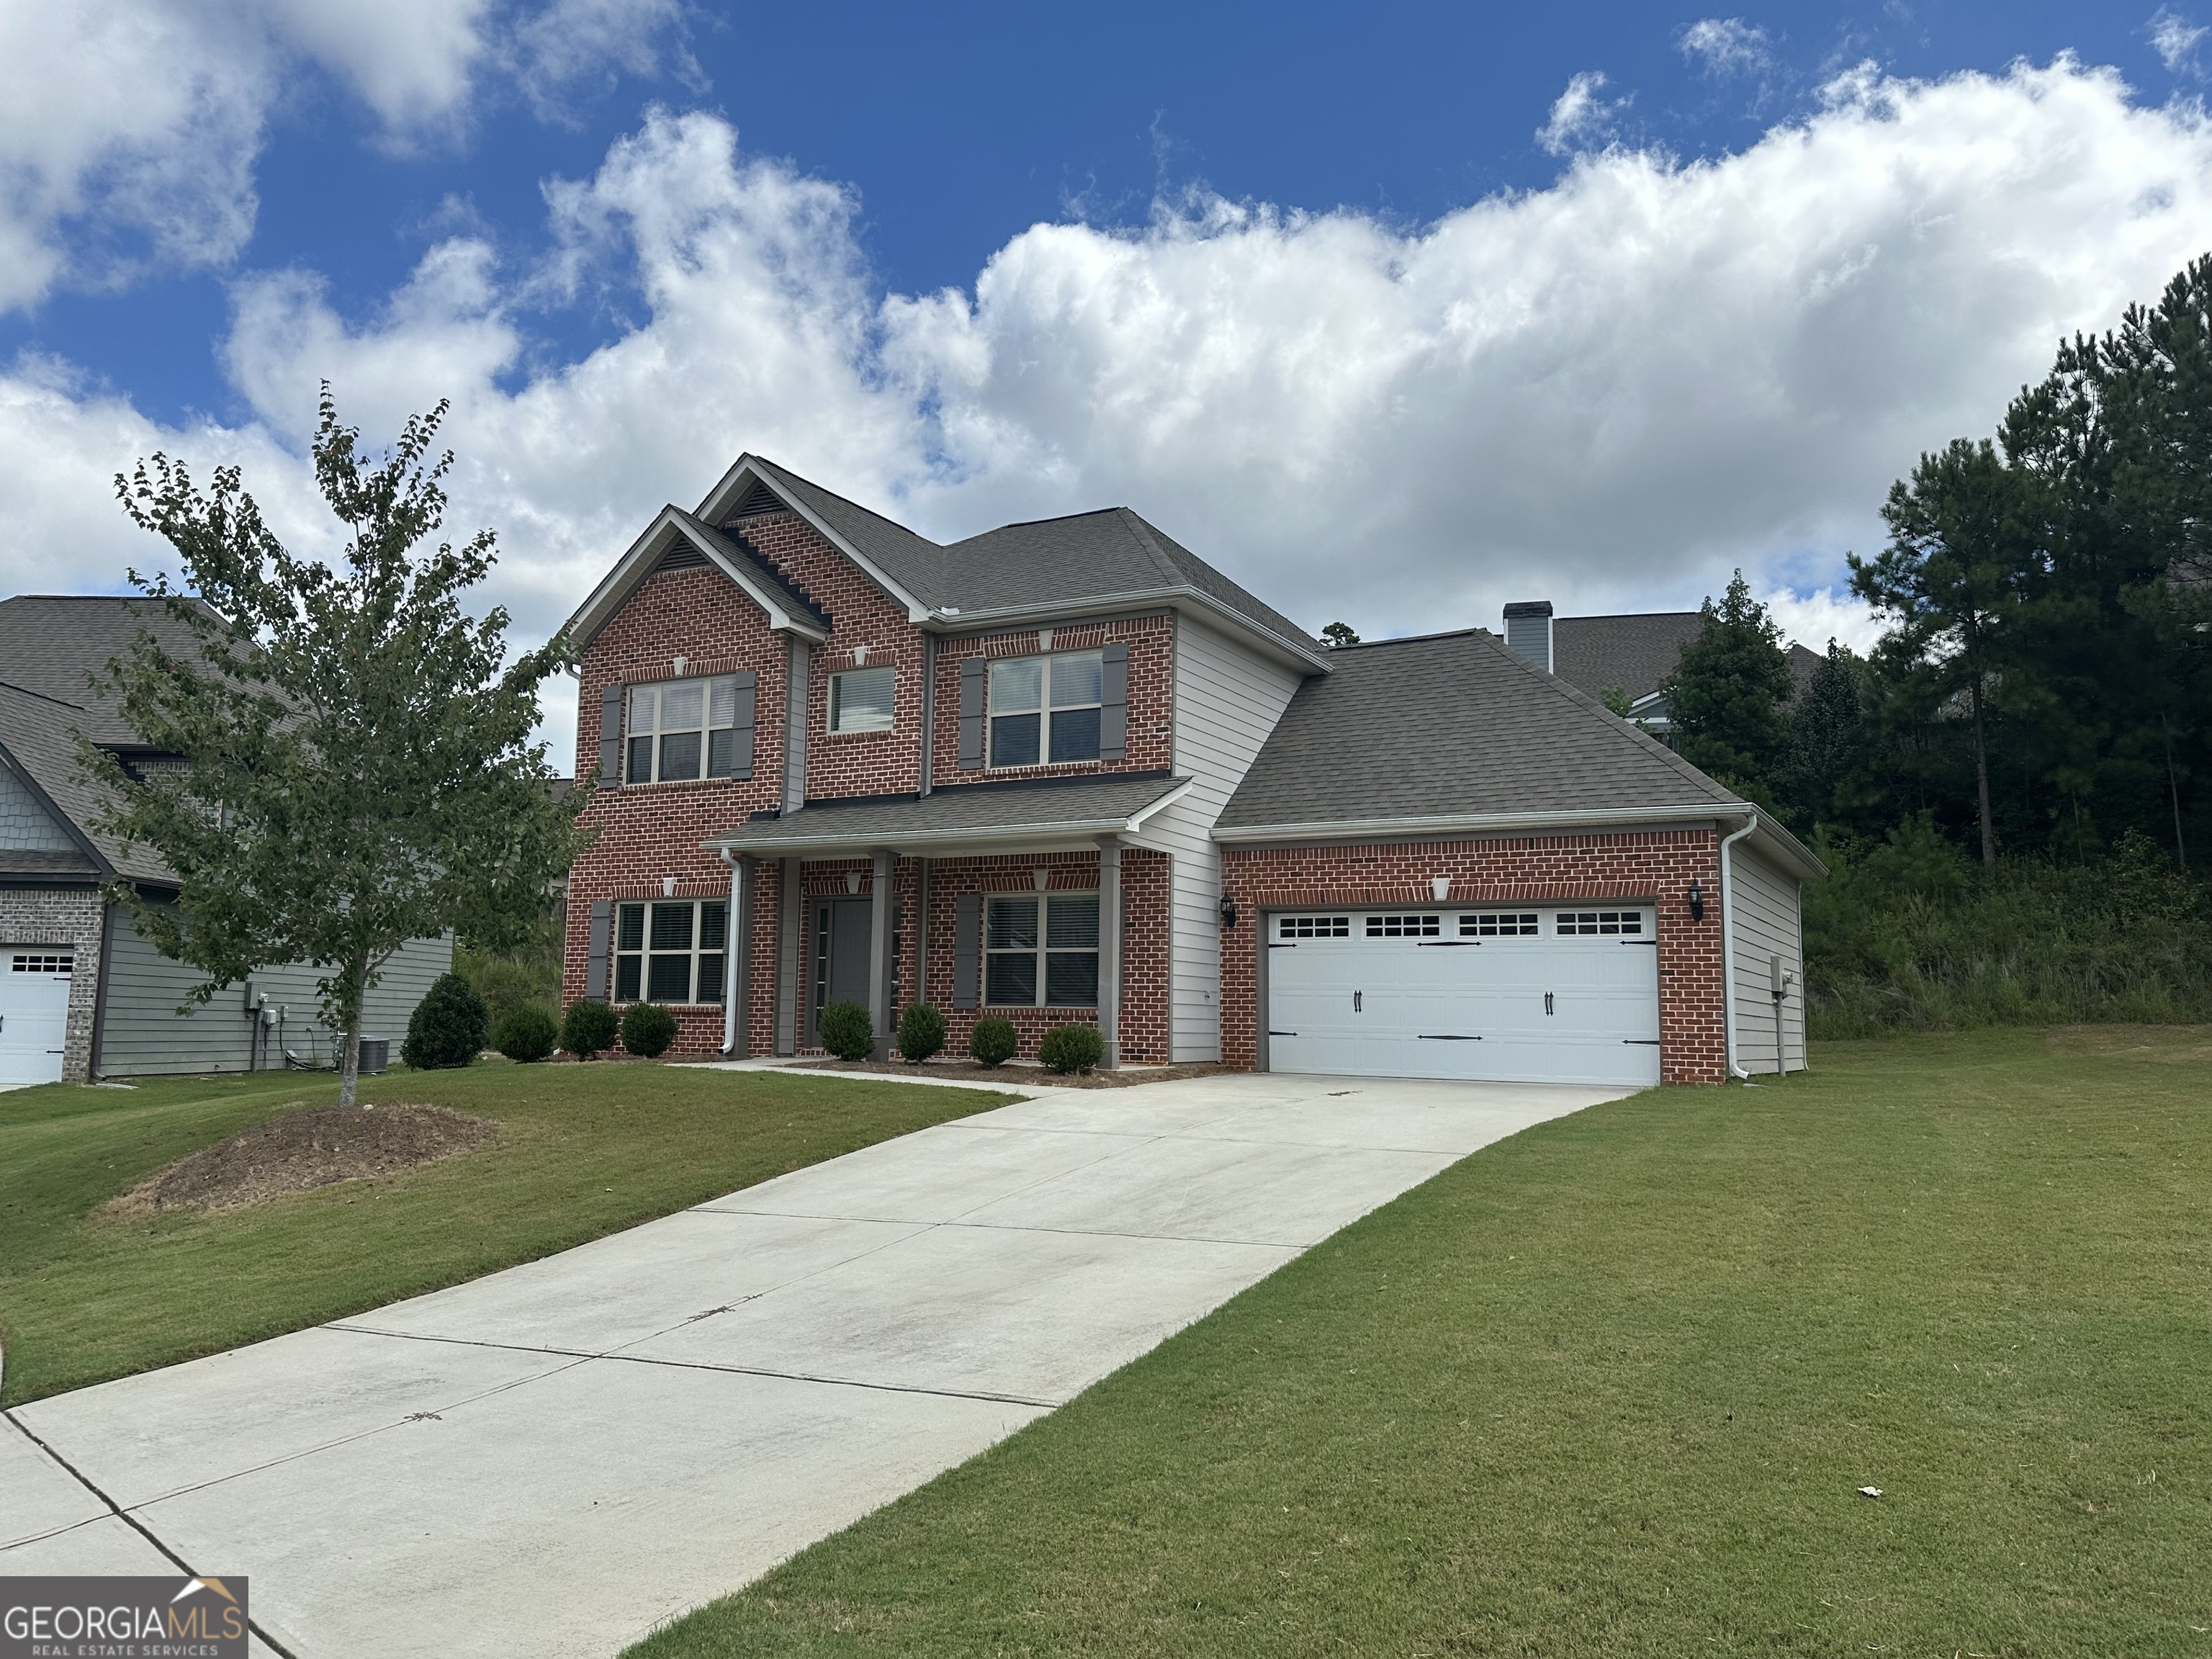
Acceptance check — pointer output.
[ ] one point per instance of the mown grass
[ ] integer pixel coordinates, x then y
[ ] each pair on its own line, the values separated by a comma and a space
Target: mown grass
1611, 1388
580, 1151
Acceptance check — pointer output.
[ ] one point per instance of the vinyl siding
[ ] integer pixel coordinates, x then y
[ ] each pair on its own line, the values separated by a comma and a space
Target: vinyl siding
1767, 924
142, 1033
1226, 702
25, 825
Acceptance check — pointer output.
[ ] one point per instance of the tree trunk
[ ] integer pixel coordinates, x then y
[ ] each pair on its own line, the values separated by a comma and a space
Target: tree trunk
1982, 779
356, 977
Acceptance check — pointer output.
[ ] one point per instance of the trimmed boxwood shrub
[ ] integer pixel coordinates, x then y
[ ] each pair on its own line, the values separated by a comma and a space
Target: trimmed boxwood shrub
1071, 1048
448, 1026
921, 1033
847, 1031
647, 1029
589, 1029
526, 1035
993, 1042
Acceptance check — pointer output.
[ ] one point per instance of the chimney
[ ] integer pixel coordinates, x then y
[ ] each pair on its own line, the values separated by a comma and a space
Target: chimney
1528, 630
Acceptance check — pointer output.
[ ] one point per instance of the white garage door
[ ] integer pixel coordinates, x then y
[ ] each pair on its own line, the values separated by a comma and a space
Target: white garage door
34, 987
1540, 994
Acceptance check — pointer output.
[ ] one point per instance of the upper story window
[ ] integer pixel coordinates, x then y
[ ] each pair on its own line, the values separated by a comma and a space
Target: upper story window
861, 700
683, 729
1046, 709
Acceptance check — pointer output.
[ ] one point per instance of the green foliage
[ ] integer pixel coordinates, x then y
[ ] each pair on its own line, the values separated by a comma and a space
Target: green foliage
920, 1032
359, 768
647, 1029
526, 974
1821, 775
588, 1029
525, 1035
848, 1031
1908, 934
448, 1027
1616, 700
1729, 691
993, 1042
1068, 1048
1338, 633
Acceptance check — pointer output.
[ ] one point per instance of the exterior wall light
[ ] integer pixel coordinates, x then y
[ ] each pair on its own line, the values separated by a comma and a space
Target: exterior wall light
1228, 911
1697, 898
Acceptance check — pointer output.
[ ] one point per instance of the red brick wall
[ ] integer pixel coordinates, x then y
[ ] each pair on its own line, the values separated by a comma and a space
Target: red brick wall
1651, 867
1152, 695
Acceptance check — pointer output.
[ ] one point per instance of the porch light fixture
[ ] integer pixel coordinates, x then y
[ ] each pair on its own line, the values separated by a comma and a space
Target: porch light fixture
1228, 911
1697, 898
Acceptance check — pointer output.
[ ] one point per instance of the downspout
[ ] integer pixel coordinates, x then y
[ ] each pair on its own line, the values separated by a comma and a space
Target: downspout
928, 716
730, 937
1727, 946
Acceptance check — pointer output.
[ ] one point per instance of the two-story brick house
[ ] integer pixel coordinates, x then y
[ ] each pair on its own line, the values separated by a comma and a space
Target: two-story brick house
1067, 771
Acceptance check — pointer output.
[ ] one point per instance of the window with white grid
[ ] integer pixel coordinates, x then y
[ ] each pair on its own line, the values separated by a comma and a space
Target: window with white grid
1313, 927
1405, 926
1598, 921
1498, 924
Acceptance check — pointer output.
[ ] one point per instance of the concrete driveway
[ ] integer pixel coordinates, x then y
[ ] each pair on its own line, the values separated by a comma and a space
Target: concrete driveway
555, 1459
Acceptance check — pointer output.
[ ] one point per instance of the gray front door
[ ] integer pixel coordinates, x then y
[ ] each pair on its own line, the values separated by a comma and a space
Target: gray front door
841, 969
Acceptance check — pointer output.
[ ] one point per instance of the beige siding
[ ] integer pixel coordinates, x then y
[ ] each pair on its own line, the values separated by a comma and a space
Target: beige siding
1767, 924
142, 1033
1227, 699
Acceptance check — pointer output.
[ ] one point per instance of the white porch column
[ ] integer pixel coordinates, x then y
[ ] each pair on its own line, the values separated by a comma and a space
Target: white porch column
790, 919
880, 951
1109, 949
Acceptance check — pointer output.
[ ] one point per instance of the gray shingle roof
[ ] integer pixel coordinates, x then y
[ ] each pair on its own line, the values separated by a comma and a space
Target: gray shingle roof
36, 733
1079, 806
52, 644
1635, 652
1454, 724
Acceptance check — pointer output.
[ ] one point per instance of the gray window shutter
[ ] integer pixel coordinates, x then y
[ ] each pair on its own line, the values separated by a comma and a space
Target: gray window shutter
972, 670
1114, 714
595, 971
741, 736
611, 706
968, 951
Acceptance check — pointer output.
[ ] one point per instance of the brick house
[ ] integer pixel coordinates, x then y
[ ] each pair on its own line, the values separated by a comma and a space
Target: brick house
1066, 771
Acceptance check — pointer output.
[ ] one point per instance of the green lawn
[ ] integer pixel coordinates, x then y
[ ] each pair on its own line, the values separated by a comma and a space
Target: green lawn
581, 1151
1610, 1387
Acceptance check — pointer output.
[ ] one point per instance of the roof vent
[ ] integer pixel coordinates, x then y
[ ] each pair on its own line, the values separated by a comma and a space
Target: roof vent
682, 555
1528, 631
758, 500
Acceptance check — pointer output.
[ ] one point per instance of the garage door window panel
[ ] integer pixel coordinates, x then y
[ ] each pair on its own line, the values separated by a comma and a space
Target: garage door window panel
1599, 923
1425, 926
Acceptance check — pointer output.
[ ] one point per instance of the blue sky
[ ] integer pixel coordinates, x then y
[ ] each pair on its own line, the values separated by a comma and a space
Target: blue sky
1396, 312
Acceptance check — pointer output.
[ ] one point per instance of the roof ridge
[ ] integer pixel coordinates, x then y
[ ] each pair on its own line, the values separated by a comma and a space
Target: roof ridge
44, 696
1410, 639
1149, 538
847, 500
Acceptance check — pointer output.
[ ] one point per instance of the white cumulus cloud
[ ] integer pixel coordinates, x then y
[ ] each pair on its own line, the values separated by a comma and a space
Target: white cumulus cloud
1579, 117
1608, 392
2175, 38
1725, 45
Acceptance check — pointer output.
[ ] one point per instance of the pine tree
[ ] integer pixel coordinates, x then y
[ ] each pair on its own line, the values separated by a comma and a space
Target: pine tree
1728, 692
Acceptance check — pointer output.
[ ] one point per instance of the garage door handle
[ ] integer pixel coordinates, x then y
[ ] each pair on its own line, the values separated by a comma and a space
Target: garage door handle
1282, 1034
1356, 995
1646, 1042
1432, 1036
1450, 944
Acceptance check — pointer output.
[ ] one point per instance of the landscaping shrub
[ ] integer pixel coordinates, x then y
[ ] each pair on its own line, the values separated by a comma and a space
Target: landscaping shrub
1071, 1048
847, 1031
993, 1042
647, 1029
920, 1032
526, 1036
588, 1029
448, 1026
528, 975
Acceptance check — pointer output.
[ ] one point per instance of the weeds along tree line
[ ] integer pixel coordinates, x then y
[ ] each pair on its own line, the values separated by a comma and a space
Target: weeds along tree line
2009, 787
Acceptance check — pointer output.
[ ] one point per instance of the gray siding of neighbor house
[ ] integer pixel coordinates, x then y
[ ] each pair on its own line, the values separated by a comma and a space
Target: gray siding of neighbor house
1767, 924
142, 1033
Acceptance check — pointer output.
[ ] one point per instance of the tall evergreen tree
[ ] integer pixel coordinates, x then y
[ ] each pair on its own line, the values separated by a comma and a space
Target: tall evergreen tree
359, 768
1824, 768
1729, 691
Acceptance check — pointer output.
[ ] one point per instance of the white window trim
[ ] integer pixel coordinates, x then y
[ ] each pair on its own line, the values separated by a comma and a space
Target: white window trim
706, 728
645, 953
1040, 952
833, 709
1044, 711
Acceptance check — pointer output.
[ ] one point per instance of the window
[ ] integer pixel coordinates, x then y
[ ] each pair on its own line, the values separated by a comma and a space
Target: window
1509, 924
1404, 926
1599, 922
1060, 960
676, 725
1046, 708
43, 965
861, 701
670, 951
1313, 927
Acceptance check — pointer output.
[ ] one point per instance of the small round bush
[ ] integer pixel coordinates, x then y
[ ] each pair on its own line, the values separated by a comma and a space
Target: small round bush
993, 1042
647, 1029
526, 1036
448, 1026
847, 1031
920, 1032
1071, 1048
589, 1029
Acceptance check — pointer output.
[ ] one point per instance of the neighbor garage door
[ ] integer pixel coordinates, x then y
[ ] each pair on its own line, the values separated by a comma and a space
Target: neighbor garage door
1540, 995
34, 987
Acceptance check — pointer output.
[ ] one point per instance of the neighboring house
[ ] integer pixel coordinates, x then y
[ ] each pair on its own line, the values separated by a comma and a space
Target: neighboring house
1067, 771
1634, 654
83, 994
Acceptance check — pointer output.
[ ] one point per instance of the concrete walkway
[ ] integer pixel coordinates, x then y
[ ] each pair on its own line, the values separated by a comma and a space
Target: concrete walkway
553, 1458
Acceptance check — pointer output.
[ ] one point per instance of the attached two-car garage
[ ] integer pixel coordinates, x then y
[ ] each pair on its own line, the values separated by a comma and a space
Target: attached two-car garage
1529, 993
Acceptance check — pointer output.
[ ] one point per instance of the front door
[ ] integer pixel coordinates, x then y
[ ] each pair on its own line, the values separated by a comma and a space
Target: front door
841, 957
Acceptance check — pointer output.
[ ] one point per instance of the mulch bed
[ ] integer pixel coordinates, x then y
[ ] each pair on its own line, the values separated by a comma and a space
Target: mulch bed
303, 1150
967, 1070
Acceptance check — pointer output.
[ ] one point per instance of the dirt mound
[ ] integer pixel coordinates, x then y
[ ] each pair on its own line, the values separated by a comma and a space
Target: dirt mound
302, 1150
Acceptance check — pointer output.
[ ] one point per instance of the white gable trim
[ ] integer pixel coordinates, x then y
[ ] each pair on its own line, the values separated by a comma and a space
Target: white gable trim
644, 557
744, 474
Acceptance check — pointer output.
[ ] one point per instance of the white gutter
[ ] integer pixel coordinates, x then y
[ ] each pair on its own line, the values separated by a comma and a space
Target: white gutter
1197, 598
1009, 835
1403, 828
730, 944
1728, 945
